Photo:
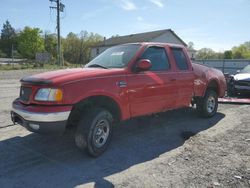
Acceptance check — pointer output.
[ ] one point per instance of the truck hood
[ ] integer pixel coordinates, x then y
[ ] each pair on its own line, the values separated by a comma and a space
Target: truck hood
242, 76
69, 75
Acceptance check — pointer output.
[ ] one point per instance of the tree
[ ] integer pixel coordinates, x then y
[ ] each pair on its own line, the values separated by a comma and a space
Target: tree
71, 45
190, 46
206, 53
242, 51
30, 42
228, 54
8, 31
50, 43
8, 38
77, 47
90, 40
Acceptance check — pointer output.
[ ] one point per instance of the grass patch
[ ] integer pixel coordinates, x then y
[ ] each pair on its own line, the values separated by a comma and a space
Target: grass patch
35, 65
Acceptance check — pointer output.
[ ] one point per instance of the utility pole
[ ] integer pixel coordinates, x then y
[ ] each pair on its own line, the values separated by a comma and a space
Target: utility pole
12, 54
59, 8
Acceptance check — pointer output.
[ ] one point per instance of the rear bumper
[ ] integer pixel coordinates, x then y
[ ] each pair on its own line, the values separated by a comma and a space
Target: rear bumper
41, 119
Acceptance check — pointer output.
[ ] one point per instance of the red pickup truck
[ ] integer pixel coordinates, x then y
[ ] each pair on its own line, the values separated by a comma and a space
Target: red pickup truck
123, 82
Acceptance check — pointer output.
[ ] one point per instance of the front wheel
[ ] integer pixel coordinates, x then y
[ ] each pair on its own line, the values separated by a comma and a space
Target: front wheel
207, 106
94, 131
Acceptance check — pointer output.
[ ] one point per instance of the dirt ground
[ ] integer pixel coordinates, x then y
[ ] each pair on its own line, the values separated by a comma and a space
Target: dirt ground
174, 149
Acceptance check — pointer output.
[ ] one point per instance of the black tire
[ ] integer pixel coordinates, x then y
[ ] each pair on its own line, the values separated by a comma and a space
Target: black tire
207, 105
231, 92
94, 131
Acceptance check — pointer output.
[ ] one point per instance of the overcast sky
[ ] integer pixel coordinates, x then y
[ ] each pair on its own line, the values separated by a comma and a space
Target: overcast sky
217, 24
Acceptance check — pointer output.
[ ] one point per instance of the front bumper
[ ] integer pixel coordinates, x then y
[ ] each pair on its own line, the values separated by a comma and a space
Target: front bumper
239, 88
41, 119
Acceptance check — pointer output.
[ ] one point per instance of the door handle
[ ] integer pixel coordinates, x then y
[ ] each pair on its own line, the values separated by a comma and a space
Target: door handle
121, 83
173, 79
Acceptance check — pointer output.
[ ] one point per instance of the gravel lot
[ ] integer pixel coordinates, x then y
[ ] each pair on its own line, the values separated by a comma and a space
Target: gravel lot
174, 149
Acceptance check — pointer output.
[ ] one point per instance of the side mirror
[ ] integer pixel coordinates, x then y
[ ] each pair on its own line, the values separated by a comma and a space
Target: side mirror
238, 71
143, 65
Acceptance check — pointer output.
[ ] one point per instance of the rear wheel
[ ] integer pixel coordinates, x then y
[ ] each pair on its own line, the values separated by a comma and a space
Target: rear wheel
94, 131
207, 106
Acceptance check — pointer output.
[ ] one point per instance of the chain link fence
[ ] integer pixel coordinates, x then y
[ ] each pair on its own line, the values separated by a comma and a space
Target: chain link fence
229, 66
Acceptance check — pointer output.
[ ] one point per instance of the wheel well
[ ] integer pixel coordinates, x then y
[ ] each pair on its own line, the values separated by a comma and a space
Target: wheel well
95, 101
213, 85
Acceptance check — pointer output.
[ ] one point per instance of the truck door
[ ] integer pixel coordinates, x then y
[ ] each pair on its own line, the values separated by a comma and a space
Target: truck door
152, 91
184, 77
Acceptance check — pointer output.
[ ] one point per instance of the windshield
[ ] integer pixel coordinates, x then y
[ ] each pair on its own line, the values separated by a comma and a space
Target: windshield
246, 69
115, 57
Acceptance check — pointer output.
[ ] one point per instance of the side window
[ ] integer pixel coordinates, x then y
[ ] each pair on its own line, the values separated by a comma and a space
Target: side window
180, 59
158, 58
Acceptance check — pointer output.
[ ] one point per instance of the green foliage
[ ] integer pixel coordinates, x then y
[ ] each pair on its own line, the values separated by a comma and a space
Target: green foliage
50, 44
219, 55
228, 54
77, 47
32, 64
8, 38
71, 46
30, 42
242, 51
8, 32
206, 53
2, 54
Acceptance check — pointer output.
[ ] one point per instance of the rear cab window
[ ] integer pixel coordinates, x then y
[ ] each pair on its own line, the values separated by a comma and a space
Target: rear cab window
158, 57
180, 59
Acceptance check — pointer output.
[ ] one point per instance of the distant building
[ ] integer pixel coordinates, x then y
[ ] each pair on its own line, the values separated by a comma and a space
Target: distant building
192, 53
165, 36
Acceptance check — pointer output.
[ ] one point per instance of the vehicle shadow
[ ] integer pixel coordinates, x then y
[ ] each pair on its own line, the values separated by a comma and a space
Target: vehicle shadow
54, 161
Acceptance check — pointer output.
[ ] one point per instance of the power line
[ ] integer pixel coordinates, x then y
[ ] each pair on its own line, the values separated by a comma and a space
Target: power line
59, 8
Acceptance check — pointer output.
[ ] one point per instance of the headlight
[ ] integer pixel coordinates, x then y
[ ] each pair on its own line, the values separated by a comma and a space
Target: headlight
49, 94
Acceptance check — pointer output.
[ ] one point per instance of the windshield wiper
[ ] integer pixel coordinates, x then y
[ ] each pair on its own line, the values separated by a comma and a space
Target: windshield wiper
97, 65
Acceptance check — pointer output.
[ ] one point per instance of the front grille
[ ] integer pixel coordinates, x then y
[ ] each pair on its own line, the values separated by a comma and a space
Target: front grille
25, 93
242, 83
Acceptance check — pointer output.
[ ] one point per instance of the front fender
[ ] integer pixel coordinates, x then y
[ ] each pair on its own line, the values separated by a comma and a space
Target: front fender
105, 85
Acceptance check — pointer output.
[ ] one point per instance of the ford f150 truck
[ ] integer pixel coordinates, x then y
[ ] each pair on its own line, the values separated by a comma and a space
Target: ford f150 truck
123, 82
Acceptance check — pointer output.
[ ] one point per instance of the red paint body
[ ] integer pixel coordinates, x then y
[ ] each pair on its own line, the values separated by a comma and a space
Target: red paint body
145, 93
